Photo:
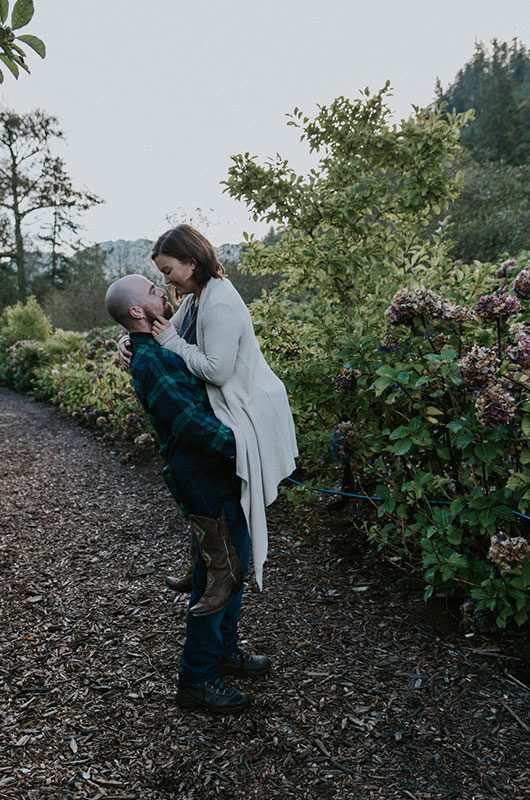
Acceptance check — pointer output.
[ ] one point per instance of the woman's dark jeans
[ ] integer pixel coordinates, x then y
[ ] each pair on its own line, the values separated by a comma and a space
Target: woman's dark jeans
207, 638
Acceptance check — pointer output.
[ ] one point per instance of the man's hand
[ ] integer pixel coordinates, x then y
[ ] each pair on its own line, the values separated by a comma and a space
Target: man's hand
160, 324
125, 353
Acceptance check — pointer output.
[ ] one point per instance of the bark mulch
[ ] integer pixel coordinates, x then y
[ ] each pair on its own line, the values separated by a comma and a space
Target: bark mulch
373, 695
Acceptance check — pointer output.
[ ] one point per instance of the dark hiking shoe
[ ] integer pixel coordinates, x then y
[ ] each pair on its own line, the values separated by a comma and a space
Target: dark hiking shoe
213, 696
240, 663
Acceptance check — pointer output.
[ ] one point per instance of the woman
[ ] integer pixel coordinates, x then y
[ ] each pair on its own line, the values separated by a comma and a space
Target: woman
212, 331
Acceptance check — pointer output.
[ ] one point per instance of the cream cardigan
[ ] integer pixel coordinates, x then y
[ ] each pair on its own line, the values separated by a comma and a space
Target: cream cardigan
245, 395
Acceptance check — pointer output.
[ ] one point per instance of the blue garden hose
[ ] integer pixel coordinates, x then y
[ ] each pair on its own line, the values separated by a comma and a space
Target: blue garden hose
366, 497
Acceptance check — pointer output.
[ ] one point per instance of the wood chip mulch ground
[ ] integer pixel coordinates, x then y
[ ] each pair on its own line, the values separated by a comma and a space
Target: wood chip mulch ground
371, 695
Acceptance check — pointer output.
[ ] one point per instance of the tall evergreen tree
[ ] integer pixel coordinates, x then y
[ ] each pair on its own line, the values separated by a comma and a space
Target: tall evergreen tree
497, 86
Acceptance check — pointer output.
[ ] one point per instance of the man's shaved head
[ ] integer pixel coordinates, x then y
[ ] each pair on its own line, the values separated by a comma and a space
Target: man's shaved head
124, 293
134, 302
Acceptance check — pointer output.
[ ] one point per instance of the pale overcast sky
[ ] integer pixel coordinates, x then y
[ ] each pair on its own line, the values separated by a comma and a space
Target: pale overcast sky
156, 96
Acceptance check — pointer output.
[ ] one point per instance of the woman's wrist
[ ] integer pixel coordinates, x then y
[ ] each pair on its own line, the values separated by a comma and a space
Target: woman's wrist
165, 336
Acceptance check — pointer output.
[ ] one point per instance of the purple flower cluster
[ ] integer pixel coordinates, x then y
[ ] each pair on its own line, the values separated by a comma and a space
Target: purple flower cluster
346, 380
519, 353
494, 406
521, 285
508, 552
492, 307
389, 344
342, 442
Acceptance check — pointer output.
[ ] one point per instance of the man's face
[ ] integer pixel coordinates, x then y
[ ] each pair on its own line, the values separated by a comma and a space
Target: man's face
154, 302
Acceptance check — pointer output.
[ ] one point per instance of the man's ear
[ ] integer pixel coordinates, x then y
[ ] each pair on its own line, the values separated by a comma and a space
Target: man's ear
136, 312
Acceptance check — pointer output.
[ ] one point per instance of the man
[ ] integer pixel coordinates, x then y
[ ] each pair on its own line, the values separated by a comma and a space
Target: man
177, 406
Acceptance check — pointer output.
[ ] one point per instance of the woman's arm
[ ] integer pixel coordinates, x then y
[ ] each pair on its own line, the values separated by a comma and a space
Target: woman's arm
221, 329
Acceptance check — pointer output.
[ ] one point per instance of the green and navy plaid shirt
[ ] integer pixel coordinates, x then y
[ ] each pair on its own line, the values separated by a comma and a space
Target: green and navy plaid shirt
177, 406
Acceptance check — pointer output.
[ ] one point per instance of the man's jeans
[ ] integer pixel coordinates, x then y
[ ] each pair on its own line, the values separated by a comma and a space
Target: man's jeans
207, 638
195, 473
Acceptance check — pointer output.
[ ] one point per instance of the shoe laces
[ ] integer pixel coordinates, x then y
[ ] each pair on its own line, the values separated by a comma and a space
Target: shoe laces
245, 657
219, 686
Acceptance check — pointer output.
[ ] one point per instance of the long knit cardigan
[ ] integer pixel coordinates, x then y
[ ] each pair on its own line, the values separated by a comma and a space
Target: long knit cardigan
245, 395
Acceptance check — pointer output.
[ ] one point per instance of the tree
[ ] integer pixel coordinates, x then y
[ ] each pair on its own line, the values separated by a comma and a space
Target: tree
497, 86
12, 55
491, 215
354, 229
33, 180
80, 303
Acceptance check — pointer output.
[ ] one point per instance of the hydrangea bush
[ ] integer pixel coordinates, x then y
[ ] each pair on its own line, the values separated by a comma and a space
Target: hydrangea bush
437, 425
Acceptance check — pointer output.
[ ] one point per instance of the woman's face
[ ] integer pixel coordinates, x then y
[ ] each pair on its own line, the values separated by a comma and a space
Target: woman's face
177, 273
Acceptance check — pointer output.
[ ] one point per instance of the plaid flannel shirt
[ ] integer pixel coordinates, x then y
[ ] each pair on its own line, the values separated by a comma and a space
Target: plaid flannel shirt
177, 407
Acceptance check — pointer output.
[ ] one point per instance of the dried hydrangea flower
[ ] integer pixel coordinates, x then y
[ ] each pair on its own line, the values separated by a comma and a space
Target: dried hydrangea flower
494, 406
519, 329
491, 307
521, 285
472, 619
144, 441
440, 341
519, 353
506, 267
346, 380
342, 442
407, 304
454, 313
389, 343
479, 367
508, 552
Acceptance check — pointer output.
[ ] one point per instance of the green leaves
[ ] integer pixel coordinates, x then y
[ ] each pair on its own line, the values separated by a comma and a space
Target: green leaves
12, 55
22, 14
35, 43
10, 64
525, 425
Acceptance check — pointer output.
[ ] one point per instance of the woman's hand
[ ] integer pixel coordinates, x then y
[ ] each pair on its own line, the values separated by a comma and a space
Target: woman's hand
160, 324
125, 352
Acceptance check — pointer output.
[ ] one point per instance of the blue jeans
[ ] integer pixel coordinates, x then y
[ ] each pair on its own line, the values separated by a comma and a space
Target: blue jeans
207, 638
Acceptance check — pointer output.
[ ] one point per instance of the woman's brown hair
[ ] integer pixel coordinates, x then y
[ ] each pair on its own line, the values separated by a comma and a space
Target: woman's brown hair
189, 246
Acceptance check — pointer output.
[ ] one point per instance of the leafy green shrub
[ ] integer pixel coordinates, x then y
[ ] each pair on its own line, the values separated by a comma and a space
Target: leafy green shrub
19, 362
434, 419
61, 343
89, 384
24, 321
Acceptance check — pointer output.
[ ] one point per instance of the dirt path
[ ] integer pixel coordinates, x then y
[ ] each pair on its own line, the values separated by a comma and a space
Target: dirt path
365, 701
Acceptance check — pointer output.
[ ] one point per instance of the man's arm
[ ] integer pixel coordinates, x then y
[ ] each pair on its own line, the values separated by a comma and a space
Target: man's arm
170, 397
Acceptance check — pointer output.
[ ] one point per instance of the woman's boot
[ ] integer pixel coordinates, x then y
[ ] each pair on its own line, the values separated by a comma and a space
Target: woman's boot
184, 584
225, 571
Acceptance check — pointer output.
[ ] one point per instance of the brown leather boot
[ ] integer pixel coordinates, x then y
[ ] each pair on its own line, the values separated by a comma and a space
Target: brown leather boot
183, 584
225, 570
